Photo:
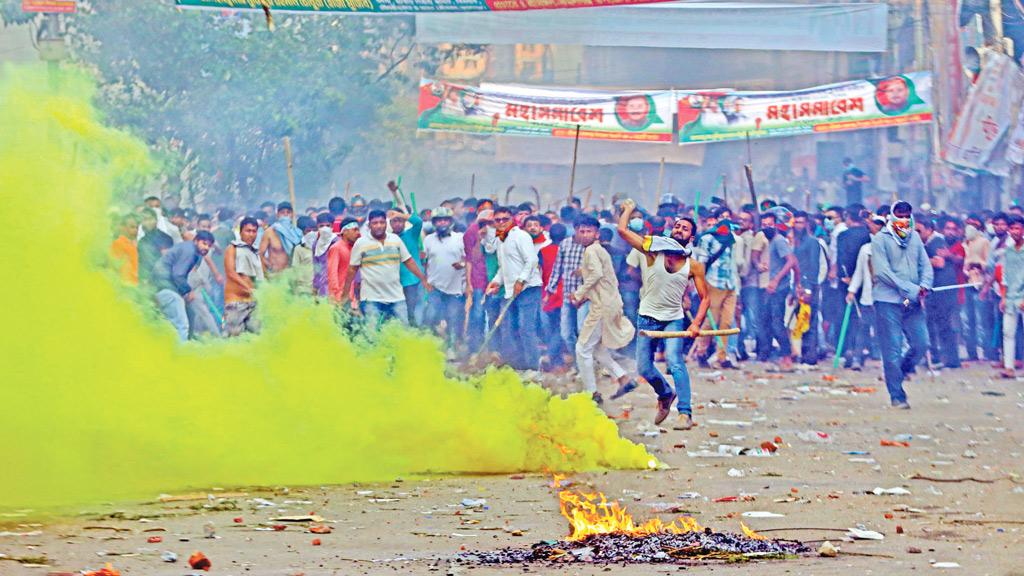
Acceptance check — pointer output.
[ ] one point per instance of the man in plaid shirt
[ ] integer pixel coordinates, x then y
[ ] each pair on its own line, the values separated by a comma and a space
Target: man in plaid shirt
715, 246
566, 270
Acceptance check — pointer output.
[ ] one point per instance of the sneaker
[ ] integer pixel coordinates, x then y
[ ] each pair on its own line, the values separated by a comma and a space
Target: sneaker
703, 363
857, 367
901, 405
683, 423
598, 399
726, 365
624, 389
664, 408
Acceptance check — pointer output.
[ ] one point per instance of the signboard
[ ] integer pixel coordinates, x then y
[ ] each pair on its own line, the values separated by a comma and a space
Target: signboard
989, 112
634, 116
49, 6
720, 115
405, 6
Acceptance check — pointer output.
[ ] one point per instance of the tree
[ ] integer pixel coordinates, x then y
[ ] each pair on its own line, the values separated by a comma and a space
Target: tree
220, 90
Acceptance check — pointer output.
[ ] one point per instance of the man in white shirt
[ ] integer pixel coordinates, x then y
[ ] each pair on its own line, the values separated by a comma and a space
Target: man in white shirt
519, 273
379, 256
445, 259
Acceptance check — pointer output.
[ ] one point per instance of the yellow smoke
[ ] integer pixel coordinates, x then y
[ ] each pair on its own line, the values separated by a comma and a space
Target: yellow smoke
99, 402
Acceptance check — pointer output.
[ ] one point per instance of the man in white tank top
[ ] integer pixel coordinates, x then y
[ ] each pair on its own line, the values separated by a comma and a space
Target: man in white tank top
666, 269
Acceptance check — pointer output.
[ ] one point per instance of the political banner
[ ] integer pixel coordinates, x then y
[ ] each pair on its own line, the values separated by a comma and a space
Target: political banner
989, 112
634, 116
720, 115
405, 6
50, 6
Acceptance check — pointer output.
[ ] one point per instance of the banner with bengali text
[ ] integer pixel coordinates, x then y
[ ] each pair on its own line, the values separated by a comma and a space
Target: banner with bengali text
405, 6
635, 116
721, 115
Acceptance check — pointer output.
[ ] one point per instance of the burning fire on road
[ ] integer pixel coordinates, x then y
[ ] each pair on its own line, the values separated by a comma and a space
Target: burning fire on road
604, 532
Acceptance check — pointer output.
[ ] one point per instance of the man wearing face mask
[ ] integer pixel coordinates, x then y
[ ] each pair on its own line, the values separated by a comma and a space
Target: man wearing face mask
445, 258
667, 269
519, 275
903, 277
976, 251
781, 263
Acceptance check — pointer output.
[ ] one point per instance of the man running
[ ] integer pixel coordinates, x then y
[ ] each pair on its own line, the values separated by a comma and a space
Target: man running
605, 327
666, 269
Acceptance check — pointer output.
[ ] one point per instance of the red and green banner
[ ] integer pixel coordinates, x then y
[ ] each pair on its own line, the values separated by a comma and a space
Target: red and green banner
405, 6
553, 112
720, 115
49, 6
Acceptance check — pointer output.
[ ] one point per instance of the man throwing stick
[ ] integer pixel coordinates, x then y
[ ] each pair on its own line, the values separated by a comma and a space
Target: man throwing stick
666, 270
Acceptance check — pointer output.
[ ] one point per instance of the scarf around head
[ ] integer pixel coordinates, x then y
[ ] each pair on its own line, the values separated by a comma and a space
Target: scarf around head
655, 244
324, 239
900, 229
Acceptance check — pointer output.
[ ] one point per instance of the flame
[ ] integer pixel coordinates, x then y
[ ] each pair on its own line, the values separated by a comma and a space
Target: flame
590, 514
750, 533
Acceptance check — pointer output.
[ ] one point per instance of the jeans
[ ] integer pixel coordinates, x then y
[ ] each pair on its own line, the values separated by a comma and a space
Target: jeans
520, 343
858, 337
773, 323
894, 321
989, 319
448, 307
972, 311
413, 304
493, 307
377, 313
172, 305
674, 358
1010, 317
591, 350
941, 334
750, 298
551, 322
477, 321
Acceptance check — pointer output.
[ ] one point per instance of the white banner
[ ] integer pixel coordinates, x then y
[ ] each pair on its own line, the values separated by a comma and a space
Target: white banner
989, 113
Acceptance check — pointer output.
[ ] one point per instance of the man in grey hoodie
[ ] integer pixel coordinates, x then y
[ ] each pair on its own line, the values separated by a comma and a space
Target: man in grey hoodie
903, 276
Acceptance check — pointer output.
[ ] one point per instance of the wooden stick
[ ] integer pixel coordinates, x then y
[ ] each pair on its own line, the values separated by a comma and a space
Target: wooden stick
661, 178
472, 185
288, 165
681, 334
572, 173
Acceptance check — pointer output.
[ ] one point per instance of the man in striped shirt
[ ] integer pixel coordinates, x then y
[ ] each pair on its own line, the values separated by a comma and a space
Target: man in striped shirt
379, 257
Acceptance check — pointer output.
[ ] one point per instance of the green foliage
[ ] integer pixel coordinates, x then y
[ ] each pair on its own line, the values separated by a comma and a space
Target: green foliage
220, 90
11, 14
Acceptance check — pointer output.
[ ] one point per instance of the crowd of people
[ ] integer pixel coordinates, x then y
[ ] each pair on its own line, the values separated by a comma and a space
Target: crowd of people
578, 288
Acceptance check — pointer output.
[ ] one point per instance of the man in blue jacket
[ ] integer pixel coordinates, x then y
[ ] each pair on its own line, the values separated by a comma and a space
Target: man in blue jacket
903, 277
170, 275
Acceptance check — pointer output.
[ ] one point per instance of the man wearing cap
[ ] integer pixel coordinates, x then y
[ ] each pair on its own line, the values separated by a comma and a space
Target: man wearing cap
409, 228
903, 277
445, 258
378, 258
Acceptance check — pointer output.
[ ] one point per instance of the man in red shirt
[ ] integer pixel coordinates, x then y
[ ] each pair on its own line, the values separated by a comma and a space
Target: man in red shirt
338, 256
551, 305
